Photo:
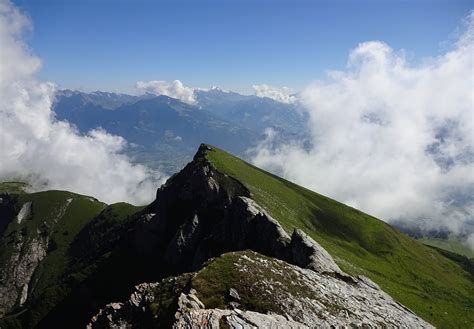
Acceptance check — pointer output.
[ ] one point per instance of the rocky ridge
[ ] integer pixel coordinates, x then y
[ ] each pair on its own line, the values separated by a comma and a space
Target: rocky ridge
200, 214
289, 297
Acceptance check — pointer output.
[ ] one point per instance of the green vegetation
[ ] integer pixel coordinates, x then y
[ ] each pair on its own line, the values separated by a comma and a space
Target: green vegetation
248, 274
57, 220
81, 236
13, 187
58, 215
434, 286
165, 302
94, 227
453, 244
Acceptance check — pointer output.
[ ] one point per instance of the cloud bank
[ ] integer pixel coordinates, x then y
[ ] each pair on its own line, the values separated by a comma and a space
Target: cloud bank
392, 139
48, 153
280, 94
174, 89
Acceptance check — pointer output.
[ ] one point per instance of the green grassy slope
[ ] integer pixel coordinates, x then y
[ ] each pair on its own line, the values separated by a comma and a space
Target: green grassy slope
13, 187
61, 216
66, 269
57, 214
453, 244
436, 288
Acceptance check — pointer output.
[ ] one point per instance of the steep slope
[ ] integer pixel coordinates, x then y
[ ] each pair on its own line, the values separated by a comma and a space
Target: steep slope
435, 287
219, 204
37, 230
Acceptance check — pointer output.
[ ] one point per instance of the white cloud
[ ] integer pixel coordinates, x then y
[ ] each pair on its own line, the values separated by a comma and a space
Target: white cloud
174, 89
50, 154
392, 139
280, 94
470, 241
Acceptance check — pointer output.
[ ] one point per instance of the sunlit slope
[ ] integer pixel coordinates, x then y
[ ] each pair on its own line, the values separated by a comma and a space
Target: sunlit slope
435, 287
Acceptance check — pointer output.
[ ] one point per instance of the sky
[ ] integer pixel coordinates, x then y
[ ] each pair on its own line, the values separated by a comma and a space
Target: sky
110, 45
388, 89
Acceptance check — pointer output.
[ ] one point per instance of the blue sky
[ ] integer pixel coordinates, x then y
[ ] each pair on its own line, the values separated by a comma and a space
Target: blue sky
109, 45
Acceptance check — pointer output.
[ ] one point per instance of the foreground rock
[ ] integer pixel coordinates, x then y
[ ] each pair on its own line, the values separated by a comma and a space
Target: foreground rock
264, 292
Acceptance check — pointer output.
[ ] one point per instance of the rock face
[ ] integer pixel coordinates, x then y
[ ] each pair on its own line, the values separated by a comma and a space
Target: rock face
201, 213
19, 267
122, 315
25, 212
22, 252
292, 297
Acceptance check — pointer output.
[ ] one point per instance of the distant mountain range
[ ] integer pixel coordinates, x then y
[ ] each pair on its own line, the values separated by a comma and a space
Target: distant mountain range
163, 132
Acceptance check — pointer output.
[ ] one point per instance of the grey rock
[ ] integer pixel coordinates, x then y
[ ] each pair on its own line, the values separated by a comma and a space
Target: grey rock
28, 250
308, 253
15, 277
24, 213
202, 213
123, 315
314, 300
189, 301
216, 318
234, 294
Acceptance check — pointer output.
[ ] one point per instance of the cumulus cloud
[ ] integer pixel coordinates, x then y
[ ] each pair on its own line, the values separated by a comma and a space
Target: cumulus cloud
174, 89
48, 153
280, 94
390, 138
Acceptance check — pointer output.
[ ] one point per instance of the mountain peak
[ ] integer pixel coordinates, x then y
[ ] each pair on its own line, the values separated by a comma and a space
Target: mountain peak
225, 233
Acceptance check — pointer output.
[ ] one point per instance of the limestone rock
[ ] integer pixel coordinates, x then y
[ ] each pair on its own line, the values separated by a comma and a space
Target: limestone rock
310, 299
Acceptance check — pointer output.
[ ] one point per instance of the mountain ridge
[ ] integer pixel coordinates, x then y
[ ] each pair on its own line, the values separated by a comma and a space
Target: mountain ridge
164, 132
219, 204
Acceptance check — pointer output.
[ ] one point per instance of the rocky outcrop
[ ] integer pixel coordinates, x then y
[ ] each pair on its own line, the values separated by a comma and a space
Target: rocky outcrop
123, 315
25, 212
309, 300
201, 213
217, 318
19, 267
21, 253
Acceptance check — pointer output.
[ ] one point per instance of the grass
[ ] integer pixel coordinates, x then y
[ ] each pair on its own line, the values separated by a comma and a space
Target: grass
58, 214
13, 187
249, 273
453, 244
61, 216
435, 287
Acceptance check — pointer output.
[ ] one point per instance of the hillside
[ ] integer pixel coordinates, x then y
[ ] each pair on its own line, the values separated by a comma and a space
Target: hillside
452, 243
37, 231
189, 256
435, 287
